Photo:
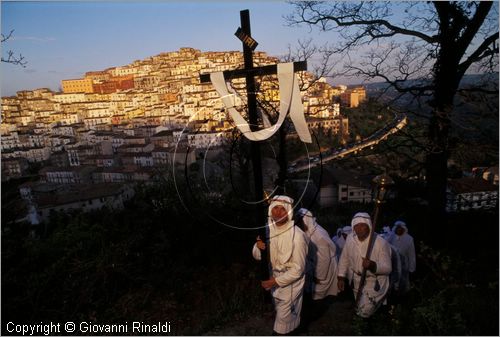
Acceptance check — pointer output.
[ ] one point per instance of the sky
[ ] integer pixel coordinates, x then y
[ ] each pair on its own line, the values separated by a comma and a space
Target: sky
63, 40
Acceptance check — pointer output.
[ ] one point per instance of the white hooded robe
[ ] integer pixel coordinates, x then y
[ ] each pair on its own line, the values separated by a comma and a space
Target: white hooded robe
322, 258
376, 284
406, 248
288, 251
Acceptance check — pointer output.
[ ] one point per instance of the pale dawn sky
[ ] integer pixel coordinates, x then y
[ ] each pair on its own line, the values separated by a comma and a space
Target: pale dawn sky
63, 40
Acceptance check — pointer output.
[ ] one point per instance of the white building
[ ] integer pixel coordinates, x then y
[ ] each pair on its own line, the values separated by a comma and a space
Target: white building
471, 193
36, 154
68, 175
342, 186
143, 160
206, 139
84, 198
70, 97
10, 141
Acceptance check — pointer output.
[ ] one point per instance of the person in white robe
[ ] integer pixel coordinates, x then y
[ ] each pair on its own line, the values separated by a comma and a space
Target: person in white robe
340, 241
345, 232
395, 276
378, 267
337, 236
406, 248
288, 250
321, 262
386, 233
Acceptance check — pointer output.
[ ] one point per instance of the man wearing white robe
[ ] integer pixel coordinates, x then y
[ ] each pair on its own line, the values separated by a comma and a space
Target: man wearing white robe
346, 230
344, 233
288, 251
337, 236
395, 276
340, 239
406, 247
378, 266
321, 264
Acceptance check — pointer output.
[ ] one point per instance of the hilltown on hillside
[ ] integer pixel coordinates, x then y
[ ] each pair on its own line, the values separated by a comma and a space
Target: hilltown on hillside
114, 128
124, 124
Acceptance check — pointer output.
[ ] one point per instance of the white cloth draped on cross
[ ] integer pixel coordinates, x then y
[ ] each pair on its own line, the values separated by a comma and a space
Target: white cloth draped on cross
289, 101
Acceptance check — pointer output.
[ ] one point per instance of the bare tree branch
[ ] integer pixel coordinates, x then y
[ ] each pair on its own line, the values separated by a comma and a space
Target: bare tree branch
474, 24
311, 13
11, 57
423, 50
8, 36
481, 52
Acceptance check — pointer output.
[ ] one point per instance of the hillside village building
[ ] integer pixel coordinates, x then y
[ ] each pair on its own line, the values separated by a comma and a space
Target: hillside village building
342, 186
126, 122
42, 199
469, 193
78, 86
353, 97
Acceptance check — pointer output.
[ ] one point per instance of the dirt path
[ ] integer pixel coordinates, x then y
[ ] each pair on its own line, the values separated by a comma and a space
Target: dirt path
335, 321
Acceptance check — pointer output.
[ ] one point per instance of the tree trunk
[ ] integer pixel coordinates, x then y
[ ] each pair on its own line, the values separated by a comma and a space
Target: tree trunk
446, 81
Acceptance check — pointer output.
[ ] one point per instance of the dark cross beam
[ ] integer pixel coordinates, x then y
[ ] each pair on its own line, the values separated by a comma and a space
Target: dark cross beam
259, 71
249, 72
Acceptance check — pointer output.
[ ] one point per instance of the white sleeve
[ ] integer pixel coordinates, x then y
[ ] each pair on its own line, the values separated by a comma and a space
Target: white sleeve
412, 263
344, 259
323, 261
256, 252
382, 257
297, 262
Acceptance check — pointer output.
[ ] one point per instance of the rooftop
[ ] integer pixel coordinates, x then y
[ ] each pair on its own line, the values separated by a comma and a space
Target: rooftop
336, 175
79, 193
470, 185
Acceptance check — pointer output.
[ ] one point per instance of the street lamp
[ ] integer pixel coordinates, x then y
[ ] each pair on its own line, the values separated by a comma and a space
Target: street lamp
381, 185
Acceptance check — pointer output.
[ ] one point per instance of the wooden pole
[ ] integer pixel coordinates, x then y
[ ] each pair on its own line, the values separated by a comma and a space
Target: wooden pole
260, 217
249, 72
383, 182
368, 252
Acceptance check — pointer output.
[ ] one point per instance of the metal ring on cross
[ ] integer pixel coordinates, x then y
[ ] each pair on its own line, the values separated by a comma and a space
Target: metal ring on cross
193, 193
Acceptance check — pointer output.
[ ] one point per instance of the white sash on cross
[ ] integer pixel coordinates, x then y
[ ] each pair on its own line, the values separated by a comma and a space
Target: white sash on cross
289, 101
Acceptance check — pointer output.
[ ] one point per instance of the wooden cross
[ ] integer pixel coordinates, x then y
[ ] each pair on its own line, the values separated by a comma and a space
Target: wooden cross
249, 72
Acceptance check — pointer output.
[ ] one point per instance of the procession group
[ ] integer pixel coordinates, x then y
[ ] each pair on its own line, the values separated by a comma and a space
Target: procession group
305, 261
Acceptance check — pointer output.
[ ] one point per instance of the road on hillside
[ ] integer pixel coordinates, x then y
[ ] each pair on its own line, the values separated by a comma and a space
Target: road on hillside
398, 123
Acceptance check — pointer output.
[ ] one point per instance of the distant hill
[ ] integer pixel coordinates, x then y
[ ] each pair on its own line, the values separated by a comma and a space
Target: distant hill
486, 81
382, 91
475, 116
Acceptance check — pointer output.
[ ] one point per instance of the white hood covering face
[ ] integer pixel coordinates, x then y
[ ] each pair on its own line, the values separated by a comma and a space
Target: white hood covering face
351, 263
347, 230
309, 221
405, 245
288, 251
285, 232
400, 224
358, 218
361, 217
321, 264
